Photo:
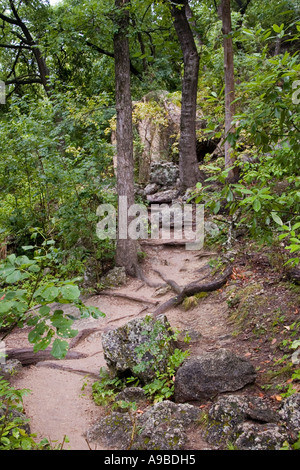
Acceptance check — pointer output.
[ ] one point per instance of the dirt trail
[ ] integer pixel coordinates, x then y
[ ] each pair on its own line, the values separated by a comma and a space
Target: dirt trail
60, 401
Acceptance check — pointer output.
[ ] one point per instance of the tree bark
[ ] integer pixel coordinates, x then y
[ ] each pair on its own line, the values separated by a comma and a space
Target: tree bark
188, 163
233, 174
126, 251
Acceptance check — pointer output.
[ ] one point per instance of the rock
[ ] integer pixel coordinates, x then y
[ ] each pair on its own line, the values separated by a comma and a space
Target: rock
113, 431
163, 196
227, 415
290, 414
164, 173
260, 437
9, 368
162, 290
161, 427
114, 277
151, 188
120, 347
205, 376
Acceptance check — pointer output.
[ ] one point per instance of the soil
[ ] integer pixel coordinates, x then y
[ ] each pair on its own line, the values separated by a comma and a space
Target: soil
60, 402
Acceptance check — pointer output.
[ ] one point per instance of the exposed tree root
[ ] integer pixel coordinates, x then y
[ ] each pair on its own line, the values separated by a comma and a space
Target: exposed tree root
53, 365
81, 336
128, 297
192, 289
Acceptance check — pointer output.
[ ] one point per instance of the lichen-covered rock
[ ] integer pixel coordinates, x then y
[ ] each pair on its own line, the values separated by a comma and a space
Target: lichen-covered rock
151, 188
9, 368
115, 277
205, 376
290, 414
163, 197
164, 173
260, 437
228, 414
161, 427
139, 347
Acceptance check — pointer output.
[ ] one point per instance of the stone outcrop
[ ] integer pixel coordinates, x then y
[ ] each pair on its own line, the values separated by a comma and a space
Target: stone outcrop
250, 423
162, 426
202, 377
121, 347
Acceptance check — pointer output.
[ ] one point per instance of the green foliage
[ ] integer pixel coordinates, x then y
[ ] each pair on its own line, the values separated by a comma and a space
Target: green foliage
106, 388
26, 296
162, 385
13, 430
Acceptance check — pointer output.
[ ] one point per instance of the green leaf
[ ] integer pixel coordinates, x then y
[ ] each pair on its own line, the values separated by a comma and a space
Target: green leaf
44, 310
5, 306
14, 277
26, 443
59, 348
256, 205
50, 293
34, 269
276, 218
70, 292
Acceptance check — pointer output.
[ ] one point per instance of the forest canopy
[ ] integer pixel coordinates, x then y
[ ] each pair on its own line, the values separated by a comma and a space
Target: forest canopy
57, 62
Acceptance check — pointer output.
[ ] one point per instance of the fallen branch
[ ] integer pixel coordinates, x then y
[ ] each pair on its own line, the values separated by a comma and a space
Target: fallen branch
192, 289
27, 357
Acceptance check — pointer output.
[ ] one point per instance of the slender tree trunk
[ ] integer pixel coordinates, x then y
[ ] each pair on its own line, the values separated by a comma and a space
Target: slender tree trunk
233, 174
126, 253
188, 163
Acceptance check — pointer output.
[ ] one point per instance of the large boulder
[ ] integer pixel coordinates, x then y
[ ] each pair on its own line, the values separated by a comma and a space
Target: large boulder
139, 348
290, 414
261, 437
226, 418
162, 426
202, 377
164, 173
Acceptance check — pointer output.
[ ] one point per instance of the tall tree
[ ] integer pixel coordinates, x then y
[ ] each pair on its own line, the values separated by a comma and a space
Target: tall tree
233, 173
188, 163
126, 252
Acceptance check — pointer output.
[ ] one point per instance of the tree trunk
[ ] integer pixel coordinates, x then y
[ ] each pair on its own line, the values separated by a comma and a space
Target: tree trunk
233, 174
126, 253
188, 163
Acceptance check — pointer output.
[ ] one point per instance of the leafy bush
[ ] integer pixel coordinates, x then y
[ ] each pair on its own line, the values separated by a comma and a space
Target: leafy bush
26, 295
14, 430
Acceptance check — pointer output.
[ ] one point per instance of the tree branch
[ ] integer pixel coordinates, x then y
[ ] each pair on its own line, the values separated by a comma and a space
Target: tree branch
14, 46
111, 54
25, 81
